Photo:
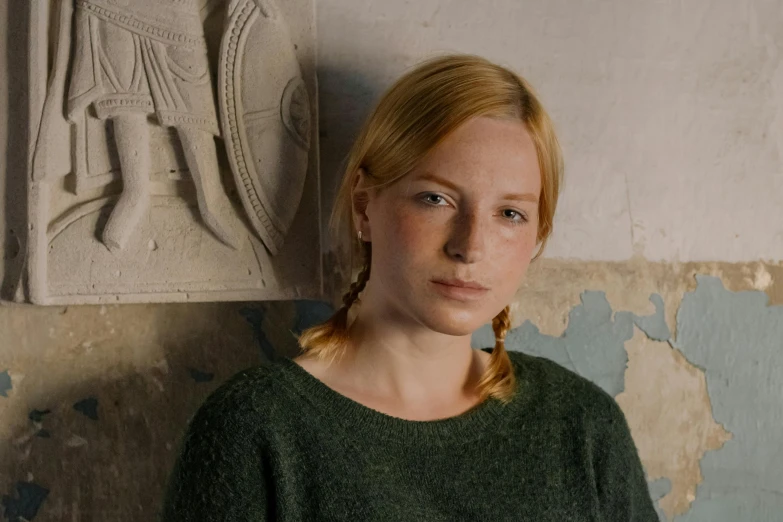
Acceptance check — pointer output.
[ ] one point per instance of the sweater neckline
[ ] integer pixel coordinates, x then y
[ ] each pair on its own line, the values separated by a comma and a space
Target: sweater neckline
360, 421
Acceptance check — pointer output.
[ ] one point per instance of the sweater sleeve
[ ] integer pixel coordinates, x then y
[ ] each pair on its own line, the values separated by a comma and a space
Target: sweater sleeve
219, 472
623, 494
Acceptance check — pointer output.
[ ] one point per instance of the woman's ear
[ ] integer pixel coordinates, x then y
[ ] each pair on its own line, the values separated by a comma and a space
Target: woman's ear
360, 199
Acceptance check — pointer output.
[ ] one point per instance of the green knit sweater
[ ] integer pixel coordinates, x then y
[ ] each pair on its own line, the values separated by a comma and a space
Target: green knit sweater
275, 443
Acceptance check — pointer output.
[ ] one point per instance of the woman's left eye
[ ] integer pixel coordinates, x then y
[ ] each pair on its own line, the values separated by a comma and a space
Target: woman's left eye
520, 218
428, 196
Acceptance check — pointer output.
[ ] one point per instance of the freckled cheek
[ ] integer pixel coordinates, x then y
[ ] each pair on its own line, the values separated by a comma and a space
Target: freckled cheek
406, 247
513, 256
527, 247
409, 232
513, 241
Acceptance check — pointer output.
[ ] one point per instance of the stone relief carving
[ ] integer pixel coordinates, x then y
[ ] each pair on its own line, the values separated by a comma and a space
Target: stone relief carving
174, 159
148, 58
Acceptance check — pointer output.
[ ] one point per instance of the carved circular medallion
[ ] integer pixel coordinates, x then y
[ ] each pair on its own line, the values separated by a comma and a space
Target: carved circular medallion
295, 111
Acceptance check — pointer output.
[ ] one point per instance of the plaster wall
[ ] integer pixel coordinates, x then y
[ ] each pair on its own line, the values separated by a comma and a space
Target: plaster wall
669, 113
663, 282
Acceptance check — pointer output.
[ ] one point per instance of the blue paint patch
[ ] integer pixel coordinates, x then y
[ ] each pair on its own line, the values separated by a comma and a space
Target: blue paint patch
254, 315
654, 326
311, 313
200, 376
659, 489
592, 344
88, 407
5, 383
38, 415
737, 339
25, 505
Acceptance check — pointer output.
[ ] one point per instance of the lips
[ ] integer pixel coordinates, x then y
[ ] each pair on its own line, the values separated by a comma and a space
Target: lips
459, 283
459, 293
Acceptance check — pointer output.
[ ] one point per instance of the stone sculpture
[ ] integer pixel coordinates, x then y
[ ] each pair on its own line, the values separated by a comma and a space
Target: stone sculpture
137, 94
140, 58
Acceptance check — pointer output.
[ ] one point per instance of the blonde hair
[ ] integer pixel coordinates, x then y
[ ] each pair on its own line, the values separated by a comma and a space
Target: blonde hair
412, 117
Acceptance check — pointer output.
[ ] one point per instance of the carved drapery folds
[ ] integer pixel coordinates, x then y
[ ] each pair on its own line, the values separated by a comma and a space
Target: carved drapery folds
175, 154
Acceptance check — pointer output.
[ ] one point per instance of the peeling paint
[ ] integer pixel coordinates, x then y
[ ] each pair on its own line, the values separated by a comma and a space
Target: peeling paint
552, 286
737, 338
254, 315
669, 413
761, 279
5, 383
659, 488
25, 504
88, 407
654, 325
200, 376
38, 415
592, 344
76, 457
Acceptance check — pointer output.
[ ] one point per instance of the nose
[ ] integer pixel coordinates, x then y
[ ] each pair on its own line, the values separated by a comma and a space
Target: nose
468, 238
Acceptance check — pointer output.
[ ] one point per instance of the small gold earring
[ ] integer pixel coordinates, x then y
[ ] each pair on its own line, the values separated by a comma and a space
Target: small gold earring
360, 235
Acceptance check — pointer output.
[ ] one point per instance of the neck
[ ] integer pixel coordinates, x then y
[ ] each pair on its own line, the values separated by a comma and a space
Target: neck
410, 367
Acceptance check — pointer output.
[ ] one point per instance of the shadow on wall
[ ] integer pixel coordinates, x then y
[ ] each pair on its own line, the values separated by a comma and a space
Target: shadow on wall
15, 202
346, 96
345, 99
97, 427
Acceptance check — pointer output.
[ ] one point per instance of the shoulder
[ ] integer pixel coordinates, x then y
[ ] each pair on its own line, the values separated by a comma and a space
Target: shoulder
563, 390
565, 404
218, 468
564, 400
241, 400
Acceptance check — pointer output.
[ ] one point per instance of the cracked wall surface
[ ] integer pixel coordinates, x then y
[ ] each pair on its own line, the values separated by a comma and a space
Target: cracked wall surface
94, 398
704, 407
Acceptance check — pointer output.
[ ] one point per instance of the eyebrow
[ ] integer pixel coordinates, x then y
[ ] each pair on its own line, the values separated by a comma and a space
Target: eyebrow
428, 176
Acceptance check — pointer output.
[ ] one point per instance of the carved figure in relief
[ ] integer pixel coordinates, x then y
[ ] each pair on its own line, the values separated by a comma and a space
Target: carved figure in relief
136, 60
124, 83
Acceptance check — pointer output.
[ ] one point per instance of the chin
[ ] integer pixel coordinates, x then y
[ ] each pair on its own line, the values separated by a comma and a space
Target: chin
455, 323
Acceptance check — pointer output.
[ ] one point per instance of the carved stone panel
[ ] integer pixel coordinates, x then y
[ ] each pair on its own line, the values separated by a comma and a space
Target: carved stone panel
174, 152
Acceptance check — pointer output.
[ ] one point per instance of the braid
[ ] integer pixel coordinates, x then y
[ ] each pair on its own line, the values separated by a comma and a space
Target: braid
356, 288
498, 379
501, 324
328, 340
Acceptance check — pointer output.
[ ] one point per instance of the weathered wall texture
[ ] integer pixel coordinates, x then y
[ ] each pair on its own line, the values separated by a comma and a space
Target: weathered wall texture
663, 283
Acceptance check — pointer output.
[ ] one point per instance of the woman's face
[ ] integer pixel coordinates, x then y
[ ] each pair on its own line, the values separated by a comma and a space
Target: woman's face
468, 212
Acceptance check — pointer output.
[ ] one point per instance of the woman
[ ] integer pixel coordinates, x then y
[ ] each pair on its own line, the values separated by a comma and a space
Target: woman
388, 413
